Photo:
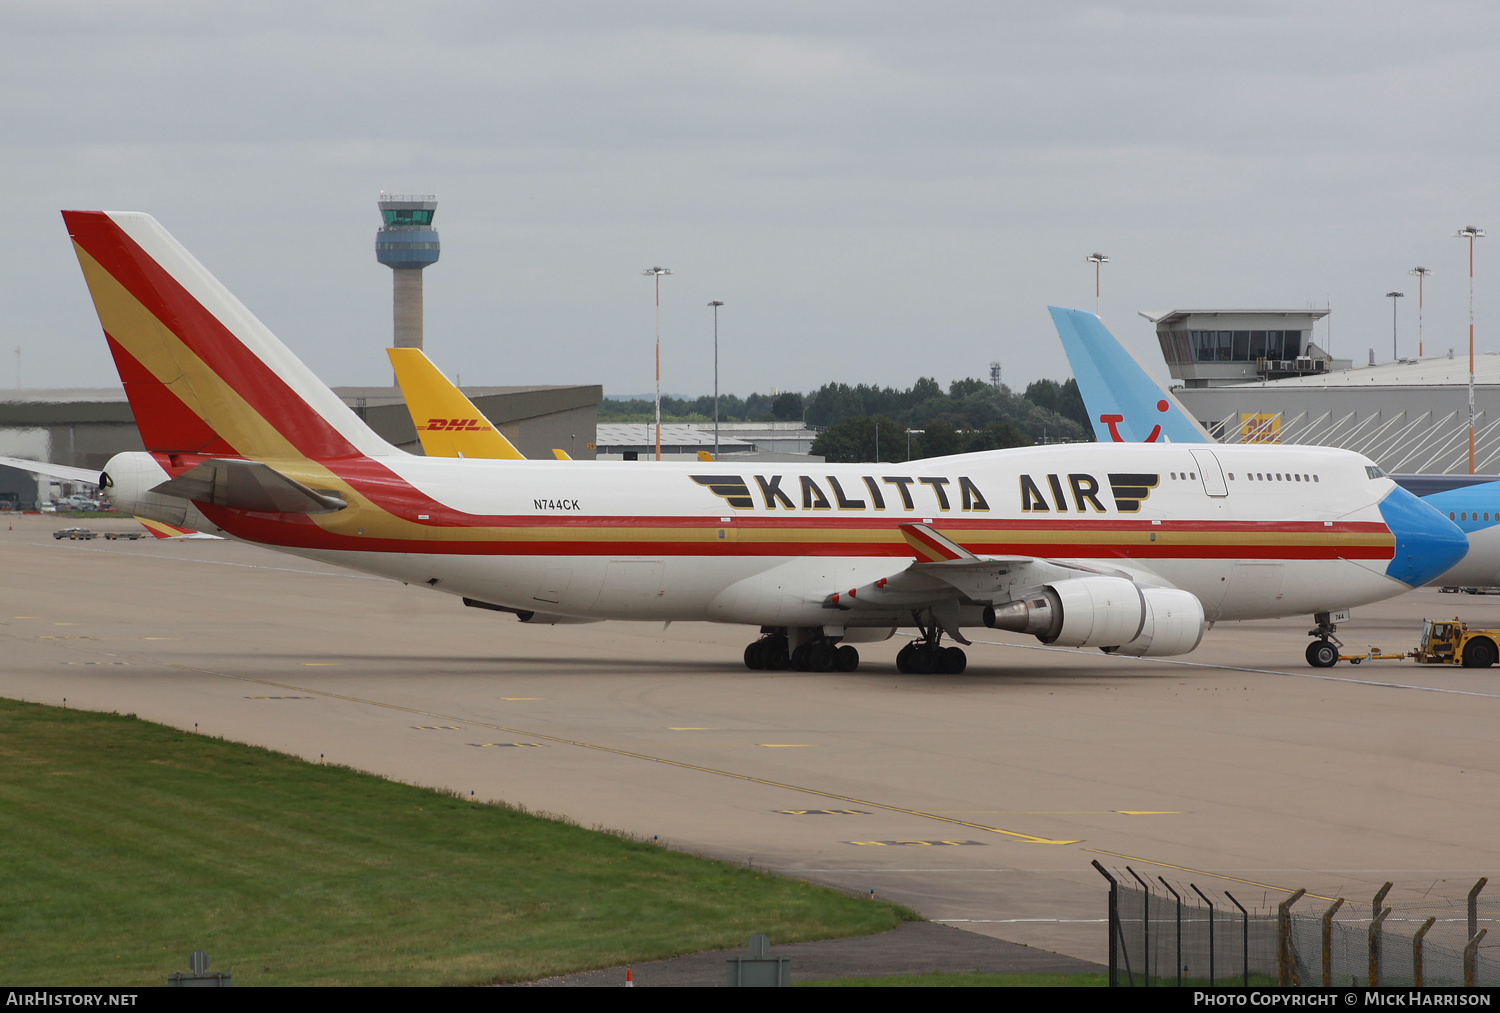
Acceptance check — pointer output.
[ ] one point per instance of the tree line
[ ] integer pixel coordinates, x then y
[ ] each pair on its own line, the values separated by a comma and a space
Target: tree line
864, 422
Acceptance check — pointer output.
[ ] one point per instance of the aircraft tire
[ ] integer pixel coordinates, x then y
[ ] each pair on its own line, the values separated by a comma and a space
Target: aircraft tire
1322, 654
903, 660
953, 661
755, 656
847, 659
821, 656
1479, 653
924, 661
774, 654
799, 660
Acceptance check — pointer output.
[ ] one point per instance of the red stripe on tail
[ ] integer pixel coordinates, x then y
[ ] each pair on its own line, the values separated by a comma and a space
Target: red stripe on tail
201, 332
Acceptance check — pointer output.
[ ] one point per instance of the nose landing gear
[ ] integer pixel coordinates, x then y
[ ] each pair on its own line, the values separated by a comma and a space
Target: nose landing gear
1323, 652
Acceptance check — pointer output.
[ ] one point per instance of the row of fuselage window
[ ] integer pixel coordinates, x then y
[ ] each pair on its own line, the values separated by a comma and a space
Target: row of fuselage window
1463, 516
1251, 477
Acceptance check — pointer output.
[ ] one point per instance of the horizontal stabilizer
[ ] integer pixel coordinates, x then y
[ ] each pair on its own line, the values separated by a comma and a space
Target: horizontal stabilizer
87, 476
248, 485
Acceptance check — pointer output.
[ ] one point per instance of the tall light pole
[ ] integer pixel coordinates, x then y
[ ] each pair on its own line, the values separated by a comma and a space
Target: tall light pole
1393, 296
1421, 274
657, 272
716, 304
1470, 233
1096, 259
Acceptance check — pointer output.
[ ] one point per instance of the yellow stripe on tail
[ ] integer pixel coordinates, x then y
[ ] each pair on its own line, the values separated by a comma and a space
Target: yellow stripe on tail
447, 423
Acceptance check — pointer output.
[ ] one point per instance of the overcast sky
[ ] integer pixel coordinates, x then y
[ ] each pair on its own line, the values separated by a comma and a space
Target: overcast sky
876, 191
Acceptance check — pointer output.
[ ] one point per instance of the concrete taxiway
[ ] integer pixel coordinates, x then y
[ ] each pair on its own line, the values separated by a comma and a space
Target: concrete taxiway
979, 799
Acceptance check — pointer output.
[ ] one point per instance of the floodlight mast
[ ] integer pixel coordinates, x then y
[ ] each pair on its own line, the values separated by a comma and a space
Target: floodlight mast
1393, 296
656, 273
716, 304
1471, 233
1421, 274
1096, 259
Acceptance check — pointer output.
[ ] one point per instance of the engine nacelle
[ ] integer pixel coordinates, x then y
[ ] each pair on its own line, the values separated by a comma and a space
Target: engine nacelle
128, 479
1174, 625
1080, 612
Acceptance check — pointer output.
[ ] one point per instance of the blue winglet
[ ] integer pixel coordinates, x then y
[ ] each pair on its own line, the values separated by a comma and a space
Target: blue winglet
1124, 404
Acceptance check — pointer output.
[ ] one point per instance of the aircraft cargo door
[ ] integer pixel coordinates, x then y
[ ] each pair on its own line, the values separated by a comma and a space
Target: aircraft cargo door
1210, 472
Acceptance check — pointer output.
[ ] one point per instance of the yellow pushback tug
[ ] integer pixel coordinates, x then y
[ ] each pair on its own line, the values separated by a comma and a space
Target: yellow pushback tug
1444, 642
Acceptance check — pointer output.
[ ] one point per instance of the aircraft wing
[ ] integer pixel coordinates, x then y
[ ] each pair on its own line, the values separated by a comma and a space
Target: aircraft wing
944, 572
87, 476
1124, 404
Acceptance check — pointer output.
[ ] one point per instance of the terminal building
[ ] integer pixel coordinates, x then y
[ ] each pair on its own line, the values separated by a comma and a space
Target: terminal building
1256, 376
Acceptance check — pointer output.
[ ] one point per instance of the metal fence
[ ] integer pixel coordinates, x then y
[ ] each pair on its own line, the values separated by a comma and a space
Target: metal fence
1170, 933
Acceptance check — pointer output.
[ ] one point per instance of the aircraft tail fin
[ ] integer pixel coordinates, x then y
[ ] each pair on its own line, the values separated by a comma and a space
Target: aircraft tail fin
1124, 404
447, 422
203, 375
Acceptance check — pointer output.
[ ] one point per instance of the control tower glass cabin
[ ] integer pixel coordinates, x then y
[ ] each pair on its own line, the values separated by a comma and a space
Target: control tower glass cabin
406, 243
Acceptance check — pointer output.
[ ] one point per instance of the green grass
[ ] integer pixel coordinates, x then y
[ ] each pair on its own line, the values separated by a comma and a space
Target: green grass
971, 979
125, 845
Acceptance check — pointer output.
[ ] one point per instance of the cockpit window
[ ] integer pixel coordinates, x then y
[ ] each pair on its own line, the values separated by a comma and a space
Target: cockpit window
1375, 471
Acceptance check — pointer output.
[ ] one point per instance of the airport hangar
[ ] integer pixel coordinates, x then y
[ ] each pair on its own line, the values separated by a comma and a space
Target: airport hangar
84, 428
1256, 376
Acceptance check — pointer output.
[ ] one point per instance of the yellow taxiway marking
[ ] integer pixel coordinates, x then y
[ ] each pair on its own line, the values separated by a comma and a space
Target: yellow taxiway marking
1201, 872
1149, 812
910, 844
1028, 838
523, 698
26, 617
67, 624
161, 638
319, 664
786, 745
1063, 812
693, 729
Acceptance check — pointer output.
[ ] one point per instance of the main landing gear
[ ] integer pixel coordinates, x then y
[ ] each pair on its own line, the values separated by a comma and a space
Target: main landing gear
925, 656
1323, 652
816, 654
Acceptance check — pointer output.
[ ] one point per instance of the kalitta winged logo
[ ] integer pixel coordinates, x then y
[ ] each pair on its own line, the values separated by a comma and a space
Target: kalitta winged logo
456, 426
1081, 492
731, 487
1131, 490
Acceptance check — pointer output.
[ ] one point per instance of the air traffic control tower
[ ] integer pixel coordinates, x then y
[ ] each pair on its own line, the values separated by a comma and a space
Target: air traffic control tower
406, 243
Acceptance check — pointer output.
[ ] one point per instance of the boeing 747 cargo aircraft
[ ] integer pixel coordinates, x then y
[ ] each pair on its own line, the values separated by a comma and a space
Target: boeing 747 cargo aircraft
1131, 548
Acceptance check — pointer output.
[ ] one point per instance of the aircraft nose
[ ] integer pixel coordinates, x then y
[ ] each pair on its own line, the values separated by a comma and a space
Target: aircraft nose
1428, 544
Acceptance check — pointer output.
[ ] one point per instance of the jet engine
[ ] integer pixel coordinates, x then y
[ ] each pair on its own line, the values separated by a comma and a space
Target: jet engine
1108, 612
1174, 624
128, 479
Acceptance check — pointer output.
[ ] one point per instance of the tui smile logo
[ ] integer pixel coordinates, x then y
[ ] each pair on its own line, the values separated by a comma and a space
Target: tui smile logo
1113, 420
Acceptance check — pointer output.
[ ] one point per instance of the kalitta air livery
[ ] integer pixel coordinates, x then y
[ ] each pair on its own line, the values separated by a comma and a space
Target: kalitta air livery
1130, 548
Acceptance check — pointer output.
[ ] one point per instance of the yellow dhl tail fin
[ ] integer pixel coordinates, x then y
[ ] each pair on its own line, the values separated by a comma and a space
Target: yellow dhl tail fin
447, 423
561, 455
705, 455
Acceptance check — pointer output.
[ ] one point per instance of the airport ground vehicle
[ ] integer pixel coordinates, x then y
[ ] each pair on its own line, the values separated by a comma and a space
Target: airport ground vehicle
1129, 548
129, 536
76, 534
1453, 642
